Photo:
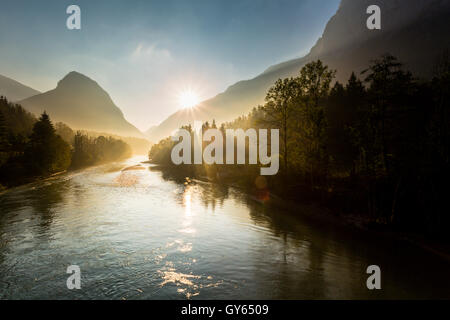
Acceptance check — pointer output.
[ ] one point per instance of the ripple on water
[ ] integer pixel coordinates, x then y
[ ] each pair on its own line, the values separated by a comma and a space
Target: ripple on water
136, 235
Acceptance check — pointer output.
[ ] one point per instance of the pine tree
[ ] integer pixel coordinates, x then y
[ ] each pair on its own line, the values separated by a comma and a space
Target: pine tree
46, 152
4, 143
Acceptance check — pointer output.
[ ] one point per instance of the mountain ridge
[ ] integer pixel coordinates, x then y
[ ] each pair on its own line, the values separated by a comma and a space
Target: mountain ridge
345, 45
82, 103
14, 90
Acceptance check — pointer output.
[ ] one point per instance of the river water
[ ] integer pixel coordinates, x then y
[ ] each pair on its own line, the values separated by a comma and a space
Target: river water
140, 235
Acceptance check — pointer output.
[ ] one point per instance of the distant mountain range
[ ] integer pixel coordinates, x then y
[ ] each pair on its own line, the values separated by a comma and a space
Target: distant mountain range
14, 90
81, 103
415, 31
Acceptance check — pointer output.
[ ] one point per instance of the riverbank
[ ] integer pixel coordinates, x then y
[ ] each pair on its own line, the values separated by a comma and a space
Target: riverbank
27, 180
33, 179
361, 222
160, 239
312, 209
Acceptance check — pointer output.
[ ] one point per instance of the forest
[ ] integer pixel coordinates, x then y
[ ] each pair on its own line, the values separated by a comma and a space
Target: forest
376, 146
31, 148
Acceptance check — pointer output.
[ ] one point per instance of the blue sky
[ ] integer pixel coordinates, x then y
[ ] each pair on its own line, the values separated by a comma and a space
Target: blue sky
144, 52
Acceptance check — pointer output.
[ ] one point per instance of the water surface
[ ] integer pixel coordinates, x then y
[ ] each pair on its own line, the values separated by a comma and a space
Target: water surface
139, 235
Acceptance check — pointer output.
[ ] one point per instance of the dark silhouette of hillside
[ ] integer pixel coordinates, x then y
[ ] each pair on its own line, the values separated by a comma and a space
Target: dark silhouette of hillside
81, 103
415, 31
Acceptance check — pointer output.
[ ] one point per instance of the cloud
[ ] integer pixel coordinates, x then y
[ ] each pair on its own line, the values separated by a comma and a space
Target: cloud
150, 52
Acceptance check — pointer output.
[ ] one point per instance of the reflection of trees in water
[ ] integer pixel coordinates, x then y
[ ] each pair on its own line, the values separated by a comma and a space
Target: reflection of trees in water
11, 207
297, 268
317, 259
44, 199
7, 204
175, 174
209, 194
290, 281
212, 194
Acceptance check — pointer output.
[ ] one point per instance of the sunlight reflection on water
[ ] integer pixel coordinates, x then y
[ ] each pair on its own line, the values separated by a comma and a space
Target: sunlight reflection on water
141, 234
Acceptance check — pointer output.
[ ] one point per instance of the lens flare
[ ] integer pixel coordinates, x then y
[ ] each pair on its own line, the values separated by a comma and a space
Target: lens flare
188, 99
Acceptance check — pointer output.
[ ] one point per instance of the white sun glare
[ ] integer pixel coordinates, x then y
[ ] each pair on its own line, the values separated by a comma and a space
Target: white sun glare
188, 99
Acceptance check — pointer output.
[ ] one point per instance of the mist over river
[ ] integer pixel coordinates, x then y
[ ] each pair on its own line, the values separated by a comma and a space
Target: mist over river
136, 234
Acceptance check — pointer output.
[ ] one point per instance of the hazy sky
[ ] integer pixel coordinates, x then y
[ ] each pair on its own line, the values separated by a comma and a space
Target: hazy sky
144, 52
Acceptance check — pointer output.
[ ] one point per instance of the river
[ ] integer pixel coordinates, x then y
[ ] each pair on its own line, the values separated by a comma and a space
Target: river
140, 235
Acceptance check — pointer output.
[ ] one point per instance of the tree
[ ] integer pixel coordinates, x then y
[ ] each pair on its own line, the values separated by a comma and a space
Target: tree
61, 157
342, 113
17, 119
280, 103
314, 83
89, 151
4, 143
439, 128
46, 152
389, 86
80, 156
65, 132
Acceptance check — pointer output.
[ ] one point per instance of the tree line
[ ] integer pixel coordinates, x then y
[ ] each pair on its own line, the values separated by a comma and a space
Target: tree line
31, 147
377, 145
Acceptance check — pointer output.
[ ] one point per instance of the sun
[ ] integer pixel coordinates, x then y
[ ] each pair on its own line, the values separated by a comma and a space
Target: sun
188, 99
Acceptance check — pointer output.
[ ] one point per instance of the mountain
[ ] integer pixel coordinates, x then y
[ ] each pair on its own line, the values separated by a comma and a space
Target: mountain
14, 91
149, 131
415, 31
81, 103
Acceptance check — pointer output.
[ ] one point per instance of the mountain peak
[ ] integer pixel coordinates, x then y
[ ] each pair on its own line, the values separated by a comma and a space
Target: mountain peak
76, 74
415, 31
82, 103
75, 79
